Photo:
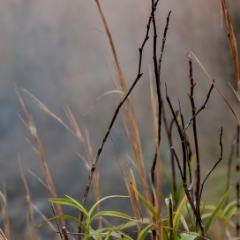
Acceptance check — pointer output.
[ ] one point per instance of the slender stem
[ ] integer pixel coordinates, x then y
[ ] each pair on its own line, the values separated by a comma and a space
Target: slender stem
215, 165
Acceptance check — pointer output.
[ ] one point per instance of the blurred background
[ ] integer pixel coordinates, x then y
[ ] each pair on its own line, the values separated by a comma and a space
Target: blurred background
59, 51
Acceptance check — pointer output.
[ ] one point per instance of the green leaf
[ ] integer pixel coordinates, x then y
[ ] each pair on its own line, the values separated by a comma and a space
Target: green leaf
69, 202
165, 235
149, 207
60, 217
111, 214
144, 232
215, 212
103, 199
178, 215
94, 234
189, 236
132, 223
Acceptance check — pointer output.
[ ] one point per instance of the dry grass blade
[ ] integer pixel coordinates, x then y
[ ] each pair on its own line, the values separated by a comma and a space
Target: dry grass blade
29, 200
216, 87
5, 218
45, 109
34, 134
129, 182
232, 42
104, 94
134, 133
45, 219
2, 235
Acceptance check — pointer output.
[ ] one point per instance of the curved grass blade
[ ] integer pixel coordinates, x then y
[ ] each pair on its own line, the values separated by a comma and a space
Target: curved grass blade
103, 199
70, 202
68, 217
144, 232
146, 203
178, 215
215, 212
189, 236
111, 214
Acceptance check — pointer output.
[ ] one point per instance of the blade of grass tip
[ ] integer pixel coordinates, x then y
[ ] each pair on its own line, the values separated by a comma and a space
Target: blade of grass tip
75, 126
99, 98
215, 212
45, 109
133, 196
216, 87
39, 179
29, 200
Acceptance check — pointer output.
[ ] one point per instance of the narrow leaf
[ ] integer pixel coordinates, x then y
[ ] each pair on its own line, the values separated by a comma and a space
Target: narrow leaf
60, 217
215, 213
144, 232
69, 202
103, 199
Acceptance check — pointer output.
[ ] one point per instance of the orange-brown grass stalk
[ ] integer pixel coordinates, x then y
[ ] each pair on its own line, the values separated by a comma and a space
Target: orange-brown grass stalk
133, 126
4, 206
2, 235
130, 182
233, 44
29, 200
84, 141
33, 131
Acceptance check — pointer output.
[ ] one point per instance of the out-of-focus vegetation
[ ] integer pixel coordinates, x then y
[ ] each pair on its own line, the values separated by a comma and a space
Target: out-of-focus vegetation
59, 52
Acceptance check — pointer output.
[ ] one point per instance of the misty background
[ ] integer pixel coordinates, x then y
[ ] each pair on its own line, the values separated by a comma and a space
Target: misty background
59, 51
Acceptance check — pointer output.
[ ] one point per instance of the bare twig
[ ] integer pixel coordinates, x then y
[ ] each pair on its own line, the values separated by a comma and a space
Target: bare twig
183, 140
215, 165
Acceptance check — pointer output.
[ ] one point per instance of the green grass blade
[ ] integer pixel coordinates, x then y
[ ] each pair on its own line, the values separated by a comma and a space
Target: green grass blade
60, 217
176, 219
111, 214
94, 234
70, 202
189, 236
146, 203
103, 199
144, 232
215, 212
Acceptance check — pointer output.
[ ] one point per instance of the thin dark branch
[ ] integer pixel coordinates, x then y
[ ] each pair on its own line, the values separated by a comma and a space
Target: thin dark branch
163, 44
169, 136
179, 131
103, 143
158, 84
230, 162
195, 135
215, 165
187, 192
170, 211
139, 74
178, 163
200, 109
65, 233
238, 182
